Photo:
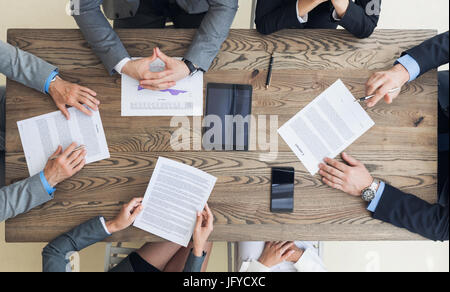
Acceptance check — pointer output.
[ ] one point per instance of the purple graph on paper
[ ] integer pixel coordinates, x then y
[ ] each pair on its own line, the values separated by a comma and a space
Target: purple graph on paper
171, 91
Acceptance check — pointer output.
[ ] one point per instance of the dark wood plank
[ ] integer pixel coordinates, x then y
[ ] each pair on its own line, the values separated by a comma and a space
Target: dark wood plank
307, 62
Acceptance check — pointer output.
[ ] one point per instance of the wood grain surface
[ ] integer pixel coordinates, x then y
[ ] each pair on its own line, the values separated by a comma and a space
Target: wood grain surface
306, 63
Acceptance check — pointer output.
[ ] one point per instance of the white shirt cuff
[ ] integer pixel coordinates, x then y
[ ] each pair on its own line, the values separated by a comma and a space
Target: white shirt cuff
121, 64
102, 220
336, 16
310, 262
301, 19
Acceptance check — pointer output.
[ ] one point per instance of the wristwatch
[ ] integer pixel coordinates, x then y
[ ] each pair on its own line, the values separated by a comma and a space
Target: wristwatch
368, 194
192, 67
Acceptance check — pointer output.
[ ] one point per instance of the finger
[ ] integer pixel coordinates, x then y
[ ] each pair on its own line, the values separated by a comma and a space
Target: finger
162, 56
350, 159
157, 75
82, 109
210, 218
57, 152
134, 203
89, 91
331, 184
373, 83
76, 157
80, 166
95, 101
330, 177
136, 212
85, 100
69, 149
64, 111
155, 82
286, 246
380, 93
161, 86
331, 170
287, 255
336, 164
198, 223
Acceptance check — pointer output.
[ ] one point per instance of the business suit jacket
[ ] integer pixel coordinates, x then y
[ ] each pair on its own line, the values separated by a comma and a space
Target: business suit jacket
55, 256
24, 67
405, 210
108, 47
275, 15
21, 197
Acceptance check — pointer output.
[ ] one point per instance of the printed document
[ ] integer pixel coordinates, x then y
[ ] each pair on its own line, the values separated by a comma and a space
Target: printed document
42, 135
175, 193
184, 99
325, 127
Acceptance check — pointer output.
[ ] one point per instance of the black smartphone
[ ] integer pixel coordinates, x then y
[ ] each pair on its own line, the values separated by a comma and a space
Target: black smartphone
282, 193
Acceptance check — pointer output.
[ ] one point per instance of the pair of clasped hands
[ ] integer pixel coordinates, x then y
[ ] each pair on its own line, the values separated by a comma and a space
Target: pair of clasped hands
63, 164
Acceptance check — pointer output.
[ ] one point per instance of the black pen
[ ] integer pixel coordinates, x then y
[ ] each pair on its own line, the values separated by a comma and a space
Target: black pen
269, 74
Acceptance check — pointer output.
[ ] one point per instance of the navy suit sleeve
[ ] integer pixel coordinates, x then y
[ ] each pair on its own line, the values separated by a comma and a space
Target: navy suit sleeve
431, 54
275, 15
361, 19
418, 216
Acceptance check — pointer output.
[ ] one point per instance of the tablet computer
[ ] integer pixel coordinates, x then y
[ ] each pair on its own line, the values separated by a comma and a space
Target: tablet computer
227, 117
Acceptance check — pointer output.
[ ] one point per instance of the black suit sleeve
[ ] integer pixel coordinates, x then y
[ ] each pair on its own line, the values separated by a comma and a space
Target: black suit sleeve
432, 53
361, 17
275, 15
408, 211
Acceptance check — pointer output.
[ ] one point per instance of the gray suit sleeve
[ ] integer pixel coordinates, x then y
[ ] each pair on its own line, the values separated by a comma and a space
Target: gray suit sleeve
21, 197
212, 32
100, 35
24, 67
55, 256
193, 263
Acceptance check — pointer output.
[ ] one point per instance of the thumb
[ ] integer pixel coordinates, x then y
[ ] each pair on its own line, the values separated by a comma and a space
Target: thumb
198, 223
58, 151
136, 212
349, 159
162, 56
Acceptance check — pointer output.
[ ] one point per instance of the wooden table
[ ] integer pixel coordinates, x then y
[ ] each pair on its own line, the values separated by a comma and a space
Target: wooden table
307, 62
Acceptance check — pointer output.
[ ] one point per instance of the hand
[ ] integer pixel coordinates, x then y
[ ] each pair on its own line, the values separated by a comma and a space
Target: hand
66, 93
175, 71
66, 165
381, 82
341, 7
295, 257
351, 178
126, 217
276, 252
202, 230
306, 6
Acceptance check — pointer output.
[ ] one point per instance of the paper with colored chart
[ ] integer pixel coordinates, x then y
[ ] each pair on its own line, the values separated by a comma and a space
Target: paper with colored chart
184, 99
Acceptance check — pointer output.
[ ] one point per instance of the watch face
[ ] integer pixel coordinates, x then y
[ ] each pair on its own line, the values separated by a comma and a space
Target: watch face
368, 195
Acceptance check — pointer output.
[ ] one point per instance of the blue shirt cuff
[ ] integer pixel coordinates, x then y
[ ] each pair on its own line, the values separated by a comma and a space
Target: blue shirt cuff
373, 205
410, 65
46, 185
49, 80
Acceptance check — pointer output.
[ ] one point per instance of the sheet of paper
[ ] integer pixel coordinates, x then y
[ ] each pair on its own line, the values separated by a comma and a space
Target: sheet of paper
184, 99
42, 135
325, 127
175, 193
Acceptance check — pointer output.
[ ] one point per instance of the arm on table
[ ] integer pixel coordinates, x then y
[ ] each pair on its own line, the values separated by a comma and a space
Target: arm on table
24, 67
100, 35
212, 32
55, 256
418, 216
